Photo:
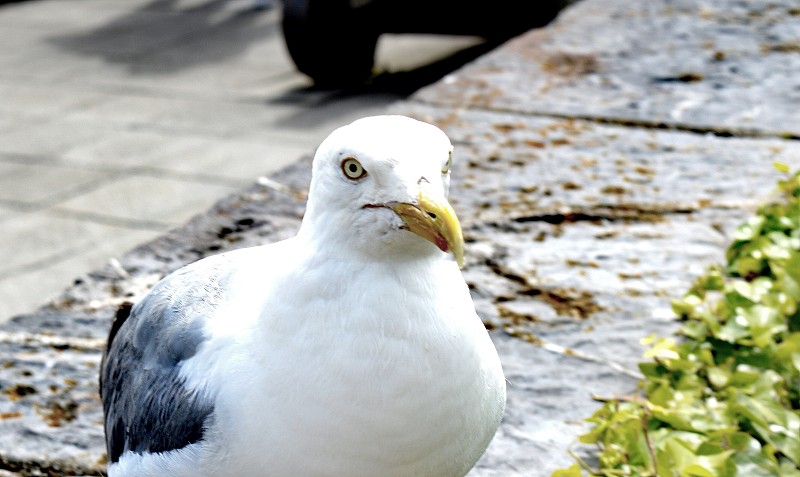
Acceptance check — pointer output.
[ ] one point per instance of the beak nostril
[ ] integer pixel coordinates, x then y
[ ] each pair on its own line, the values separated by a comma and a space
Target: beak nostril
431, 214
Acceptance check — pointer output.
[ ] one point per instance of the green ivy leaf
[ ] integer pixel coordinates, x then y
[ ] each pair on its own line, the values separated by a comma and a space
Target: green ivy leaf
763, 323
774, 423
663, 349
719, 376
749, 230
574, 471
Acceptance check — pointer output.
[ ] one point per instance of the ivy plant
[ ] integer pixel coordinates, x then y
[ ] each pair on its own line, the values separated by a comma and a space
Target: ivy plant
723, 399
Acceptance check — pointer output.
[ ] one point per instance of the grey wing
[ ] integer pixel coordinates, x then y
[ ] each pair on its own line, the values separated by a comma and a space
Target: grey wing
146, 405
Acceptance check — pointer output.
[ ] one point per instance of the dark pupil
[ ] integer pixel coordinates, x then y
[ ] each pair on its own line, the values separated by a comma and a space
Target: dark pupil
353, 168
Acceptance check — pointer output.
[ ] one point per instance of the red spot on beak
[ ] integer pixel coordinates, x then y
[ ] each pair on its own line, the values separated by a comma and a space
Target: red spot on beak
441, 242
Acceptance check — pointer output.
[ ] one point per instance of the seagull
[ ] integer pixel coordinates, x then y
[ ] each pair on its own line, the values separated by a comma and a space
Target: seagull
352, 349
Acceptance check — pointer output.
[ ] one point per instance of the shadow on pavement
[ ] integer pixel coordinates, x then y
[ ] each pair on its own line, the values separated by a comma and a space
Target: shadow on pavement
160, 37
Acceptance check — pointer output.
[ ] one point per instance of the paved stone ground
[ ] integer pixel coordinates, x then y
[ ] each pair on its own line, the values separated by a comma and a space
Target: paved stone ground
602, 164
121, 120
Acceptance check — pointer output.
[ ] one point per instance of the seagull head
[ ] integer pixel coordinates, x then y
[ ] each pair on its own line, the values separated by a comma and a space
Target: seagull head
379, 187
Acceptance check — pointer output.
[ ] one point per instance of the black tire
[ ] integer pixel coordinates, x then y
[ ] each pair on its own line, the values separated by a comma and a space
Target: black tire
329, 42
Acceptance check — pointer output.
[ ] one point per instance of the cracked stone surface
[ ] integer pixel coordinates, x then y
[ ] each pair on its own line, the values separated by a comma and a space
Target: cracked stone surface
724, 66
582, 220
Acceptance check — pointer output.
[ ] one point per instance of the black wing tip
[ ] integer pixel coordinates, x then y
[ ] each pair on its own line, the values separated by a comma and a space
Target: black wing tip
122, 315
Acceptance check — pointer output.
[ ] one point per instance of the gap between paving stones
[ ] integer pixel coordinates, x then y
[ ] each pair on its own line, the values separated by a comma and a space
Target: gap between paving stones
638, 123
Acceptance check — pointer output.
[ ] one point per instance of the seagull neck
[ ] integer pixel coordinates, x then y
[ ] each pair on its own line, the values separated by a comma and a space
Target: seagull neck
337, 235
330, 249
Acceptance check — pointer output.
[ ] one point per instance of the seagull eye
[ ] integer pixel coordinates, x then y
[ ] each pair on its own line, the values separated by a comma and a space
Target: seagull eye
446, 166
353, 169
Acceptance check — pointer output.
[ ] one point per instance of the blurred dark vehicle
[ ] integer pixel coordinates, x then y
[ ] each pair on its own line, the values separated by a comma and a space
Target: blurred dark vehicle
333, 41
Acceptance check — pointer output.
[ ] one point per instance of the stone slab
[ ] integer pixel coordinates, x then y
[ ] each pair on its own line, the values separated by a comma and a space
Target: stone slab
227, 161
7, 213
67, 237
41, 185
725, 66
38, 136
159, 201
40, 100
23, 15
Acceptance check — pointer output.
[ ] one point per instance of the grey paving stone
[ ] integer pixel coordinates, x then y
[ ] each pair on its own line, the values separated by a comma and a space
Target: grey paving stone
40, 62
32, 99
163, 202
221, 36
132, 33
65, 238
248, 49
43, 137
39, 185
227, 160
182, 115
7, 212
55, 16
724, 66
121, 149
7, 121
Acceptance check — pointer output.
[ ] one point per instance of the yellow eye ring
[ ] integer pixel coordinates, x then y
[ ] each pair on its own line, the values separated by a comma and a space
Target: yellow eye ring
353, 169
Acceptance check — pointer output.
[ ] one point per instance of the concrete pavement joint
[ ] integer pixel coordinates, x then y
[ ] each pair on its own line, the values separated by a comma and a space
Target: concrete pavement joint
43, 263
26, 158
21, 206
105, 219
69, 193
154, 171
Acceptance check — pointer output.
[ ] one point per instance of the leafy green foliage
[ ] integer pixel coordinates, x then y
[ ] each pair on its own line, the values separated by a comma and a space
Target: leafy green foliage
724, 400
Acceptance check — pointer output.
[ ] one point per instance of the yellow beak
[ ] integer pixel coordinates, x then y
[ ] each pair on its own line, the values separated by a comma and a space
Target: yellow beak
434, 219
